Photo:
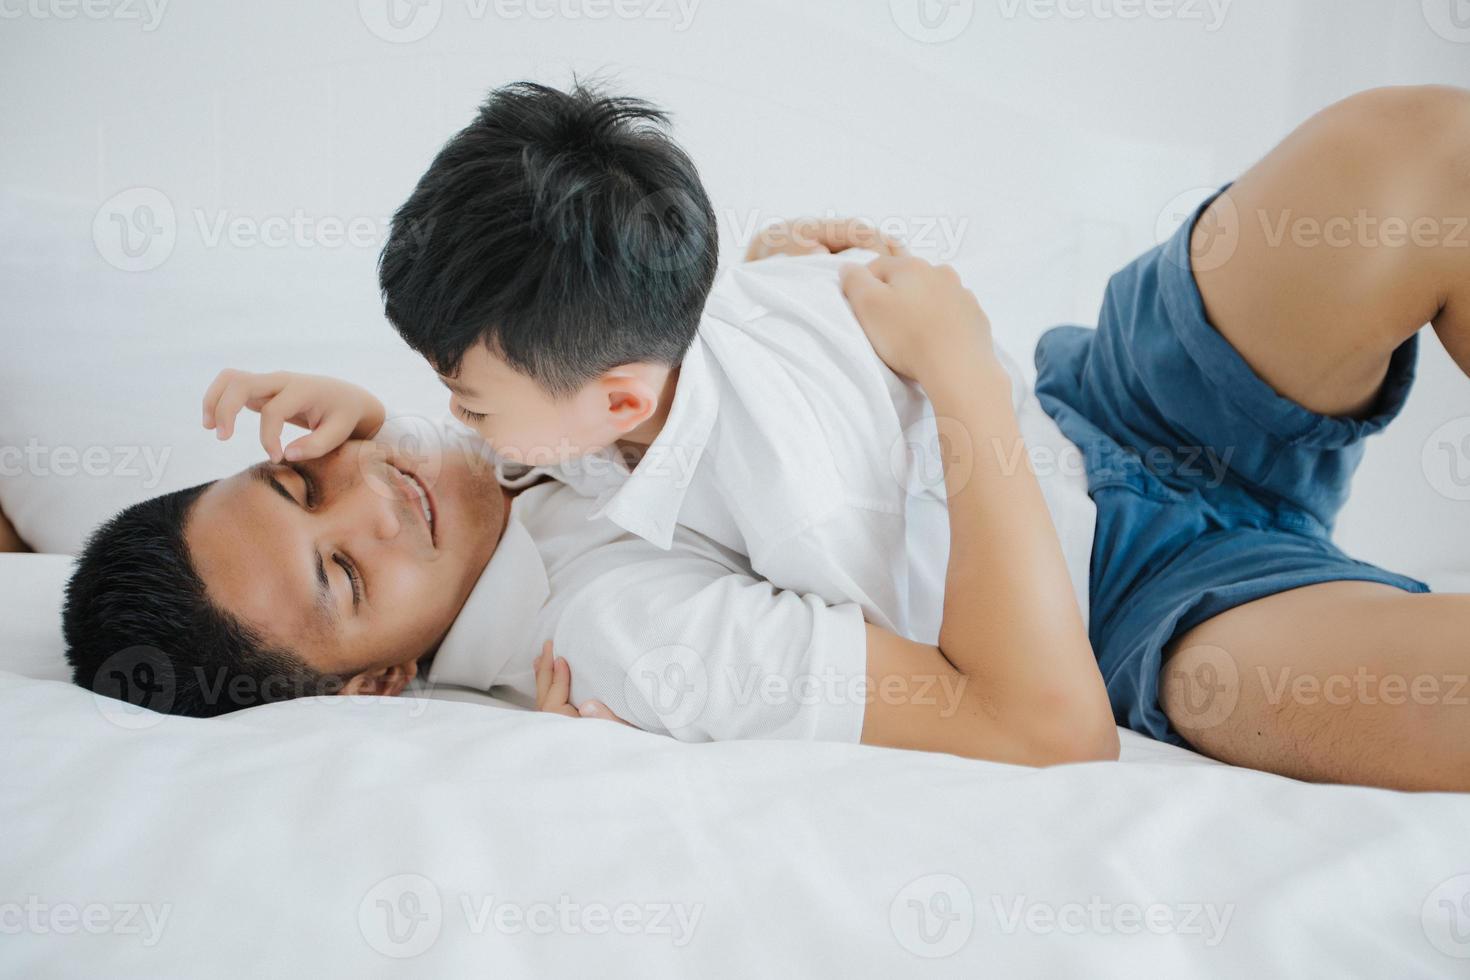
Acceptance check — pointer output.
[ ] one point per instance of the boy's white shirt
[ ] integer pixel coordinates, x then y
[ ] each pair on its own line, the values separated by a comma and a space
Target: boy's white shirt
791, 442
788, 442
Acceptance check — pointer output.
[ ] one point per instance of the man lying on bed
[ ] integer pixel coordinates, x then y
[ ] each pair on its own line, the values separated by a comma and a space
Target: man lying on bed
1204, 586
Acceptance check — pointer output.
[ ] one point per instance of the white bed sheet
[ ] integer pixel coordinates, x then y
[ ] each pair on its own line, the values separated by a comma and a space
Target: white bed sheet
331, 837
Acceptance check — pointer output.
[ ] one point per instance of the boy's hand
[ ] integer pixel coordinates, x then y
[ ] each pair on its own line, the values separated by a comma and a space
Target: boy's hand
820, 236
333, 410
919, 317
554, 690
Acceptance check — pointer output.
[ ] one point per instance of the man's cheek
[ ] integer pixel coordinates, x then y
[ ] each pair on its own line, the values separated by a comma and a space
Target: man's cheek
412, 597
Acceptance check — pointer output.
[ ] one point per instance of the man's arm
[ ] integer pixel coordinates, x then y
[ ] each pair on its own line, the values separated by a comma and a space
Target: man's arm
9, 539
1012, 633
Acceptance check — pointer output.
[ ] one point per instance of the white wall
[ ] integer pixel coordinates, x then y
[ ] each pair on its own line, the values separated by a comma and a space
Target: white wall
1046, 138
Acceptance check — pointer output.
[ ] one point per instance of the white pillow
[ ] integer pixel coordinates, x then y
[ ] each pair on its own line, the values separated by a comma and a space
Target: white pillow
31, 591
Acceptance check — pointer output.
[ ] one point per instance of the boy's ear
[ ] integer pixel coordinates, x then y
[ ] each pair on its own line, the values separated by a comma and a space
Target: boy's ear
631, 393
385, 681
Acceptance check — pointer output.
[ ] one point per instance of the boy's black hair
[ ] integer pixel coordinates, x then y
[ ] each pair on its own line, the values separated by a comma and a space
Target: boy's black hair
566, 230
140, 626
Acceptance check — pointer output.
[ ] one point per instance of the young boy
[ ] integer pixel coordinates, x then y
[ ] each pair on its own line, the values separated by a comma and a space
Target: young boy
554, 265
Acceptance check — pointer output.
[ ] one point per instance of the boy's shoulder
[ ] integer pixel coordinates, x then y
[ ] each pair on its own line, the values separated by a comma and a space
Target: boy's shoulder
801, 397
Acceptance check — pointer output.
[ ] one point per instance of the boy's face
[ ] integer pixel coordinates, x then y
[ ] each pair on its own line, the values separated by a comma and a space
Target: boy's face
526, 424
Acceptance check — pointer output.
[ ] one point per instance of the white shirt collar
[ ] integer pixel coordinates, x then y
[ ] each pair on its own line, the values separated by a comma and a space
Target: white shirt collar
648, 501
490, 641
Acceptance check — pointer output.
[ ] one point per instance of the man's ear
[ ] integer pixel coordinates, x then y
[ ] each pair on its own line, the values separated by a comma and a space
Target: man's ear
386, 681
630, 393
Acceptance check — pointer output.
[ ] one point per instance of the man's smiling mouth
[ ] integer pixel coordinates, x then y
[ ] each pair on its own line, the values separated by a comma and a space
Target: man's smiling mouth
418, 493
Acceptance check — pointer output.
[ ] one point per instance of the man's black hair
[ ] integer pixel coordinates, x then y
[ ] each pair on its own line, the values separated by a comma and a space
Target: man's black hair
140, 626
565, 230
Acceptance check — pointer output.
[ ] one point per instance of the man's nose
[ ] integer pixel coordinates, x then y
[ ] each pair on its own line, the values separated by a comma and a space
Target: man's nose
369, 509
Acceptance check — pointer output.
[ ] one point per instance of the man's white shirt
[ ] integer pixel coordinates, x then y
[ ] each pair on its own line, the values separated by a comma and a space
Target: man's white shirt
788, 441
685, 641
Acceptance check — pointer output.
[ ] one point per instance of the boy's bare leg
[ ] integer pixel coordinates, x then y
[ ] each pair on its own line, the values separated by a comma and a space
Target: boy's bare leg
1316, 265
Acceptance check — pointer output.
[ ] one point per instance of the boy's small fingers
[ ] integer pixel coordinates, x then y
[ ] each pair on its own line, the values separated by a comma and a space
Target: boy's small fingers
231, 401
212, 393
561, 683
326, 437
543, 676
273, 416
241, 390
596, 709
